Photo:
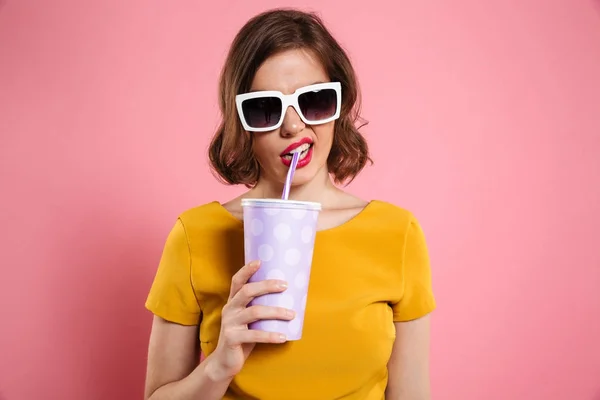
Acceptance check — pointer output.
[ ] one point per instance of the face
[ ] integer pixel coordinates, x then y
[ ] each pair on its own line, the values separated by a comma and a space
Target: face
286, 72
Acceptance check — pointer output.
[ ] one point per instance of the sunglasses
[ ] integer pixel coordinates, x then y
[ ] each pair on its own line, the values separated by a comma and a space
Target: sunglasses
315, 104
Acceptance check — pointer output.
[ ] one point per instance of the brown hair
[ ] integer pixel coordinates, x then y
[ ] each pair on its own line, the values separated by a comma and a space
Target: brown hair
266, 34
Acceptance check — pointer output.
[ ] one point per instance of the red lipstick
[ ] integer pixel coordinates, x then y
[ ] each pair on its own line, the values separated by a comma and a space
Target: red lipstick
295, 145
305, 160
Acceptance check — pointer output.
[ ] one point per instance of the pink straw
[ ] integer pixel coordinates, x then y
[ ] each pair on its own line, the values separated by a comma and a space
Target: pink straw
290, 175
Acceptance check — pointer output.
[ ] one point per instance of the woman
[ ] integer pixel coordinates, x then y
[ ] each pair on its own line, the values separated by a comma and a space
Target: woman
366, 330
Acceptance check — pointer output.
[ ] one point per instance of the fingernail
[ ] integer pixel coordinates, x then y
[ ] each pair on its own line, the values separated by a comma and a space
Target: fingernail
282, 285
290, 313
282, 338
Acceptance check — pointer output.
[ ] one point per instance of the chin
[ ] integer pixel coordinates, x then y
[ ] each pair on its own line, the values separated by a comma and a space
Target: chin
305, 175
301, 180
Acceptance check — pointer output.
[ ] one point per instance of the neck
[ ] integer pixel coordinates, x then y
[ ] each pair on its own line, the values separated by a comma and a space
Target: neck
319, 189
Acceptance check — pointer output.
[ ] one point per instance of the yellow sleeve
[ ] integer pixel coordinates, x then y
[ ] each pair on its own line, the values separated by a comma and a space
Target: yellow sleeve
417, 300
172, 294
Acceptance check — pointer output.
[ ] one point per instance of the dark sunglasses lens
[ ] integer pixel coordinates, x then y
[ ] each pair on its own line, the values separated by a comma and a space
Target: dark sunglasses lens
262, 112
318, 105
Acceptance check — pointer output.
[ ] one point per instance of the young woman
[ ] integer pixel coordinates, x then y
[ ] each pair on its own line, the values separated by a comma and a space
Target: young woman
366, 330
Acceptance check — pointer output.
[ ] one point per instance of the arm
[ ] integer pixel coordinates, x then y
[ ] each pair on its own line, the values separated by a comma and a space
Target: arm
408, 368
173, 371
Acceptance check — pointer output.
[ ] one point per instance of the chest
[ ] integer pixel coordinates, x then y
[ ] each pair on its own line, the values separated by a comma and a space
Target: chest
346, 345
348, 307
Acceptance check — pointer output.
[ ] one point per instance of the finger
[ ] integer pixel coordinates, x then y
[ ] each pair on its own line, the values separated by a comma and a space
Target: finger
256, 336
256, 313
241, 277
254, 289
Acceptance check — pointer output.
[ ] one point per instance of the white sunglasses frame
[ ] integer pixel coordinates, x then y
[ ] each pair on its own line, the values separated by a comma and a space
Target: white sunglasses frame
289, 100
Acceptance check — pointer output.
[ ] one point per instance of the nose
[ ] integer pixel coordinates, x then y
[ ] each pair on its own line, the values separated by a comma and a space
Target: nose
292, 123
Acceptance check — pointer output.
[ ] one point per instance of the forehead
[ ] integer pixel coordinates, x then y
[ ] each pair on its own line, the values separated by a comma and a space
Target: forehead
288, 71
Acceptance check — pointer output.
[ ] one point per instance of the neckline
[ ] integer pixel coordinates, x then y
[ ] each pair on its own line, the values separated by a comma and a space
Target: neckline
343, 225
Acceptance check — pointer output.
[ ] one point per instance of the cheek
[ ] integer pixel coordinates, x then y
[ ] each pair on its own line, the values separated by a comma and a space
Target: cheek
263, 148
325, 135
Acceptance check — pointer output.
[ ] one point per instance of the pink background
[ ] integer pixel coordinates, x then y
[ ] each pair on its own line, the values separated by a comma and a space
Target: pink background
484, 121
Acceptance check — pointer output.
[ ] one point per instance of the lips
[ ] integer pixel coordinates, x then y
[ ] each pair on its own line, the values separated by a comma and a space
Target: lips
303, 162
295, 145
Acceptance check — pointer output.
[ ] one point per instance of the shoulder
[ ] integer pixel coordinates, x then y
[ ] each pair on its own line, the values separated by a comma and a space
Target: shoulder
394, 224
207, 216
392, 215
201, 211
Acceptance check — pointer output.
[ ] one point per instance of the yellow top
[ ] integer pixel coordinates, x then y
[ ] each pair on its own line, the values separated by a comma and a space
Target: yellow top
366, 274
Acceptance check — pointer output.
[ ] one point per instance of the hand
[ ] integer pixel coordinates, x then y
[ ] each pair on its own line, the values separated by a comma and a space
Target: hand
236, 341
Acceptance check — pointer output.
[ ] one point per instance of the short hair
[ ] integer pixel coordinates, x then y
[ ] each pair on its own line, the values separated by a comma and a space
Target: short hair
269, 33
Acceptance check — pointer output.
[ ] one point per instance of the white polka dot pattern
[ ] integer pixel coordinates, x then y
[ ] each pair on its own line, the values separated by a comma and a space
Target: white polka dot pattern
275, 274
271, 211
298, 214
301, 280
292, 256
306, 234
286, 301
265, 252
283, 239
282, 232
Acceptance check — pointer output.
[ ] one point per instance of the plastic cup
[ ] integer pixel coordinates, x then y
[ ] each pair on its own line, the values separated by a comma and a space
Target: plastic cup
281, 234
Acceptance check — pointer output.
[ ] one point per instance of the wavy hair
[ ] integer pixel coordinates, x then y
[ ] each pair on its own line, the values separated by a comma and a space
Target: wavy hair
271, 32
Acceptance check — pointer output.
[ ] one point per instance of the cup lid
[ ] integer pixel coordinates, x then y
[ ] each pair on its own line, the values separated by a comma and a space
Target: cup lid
280, 203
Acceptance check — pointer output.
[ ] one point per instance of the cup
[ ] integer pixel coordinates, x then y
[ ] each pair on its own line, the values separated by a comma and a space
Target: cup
281, 234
